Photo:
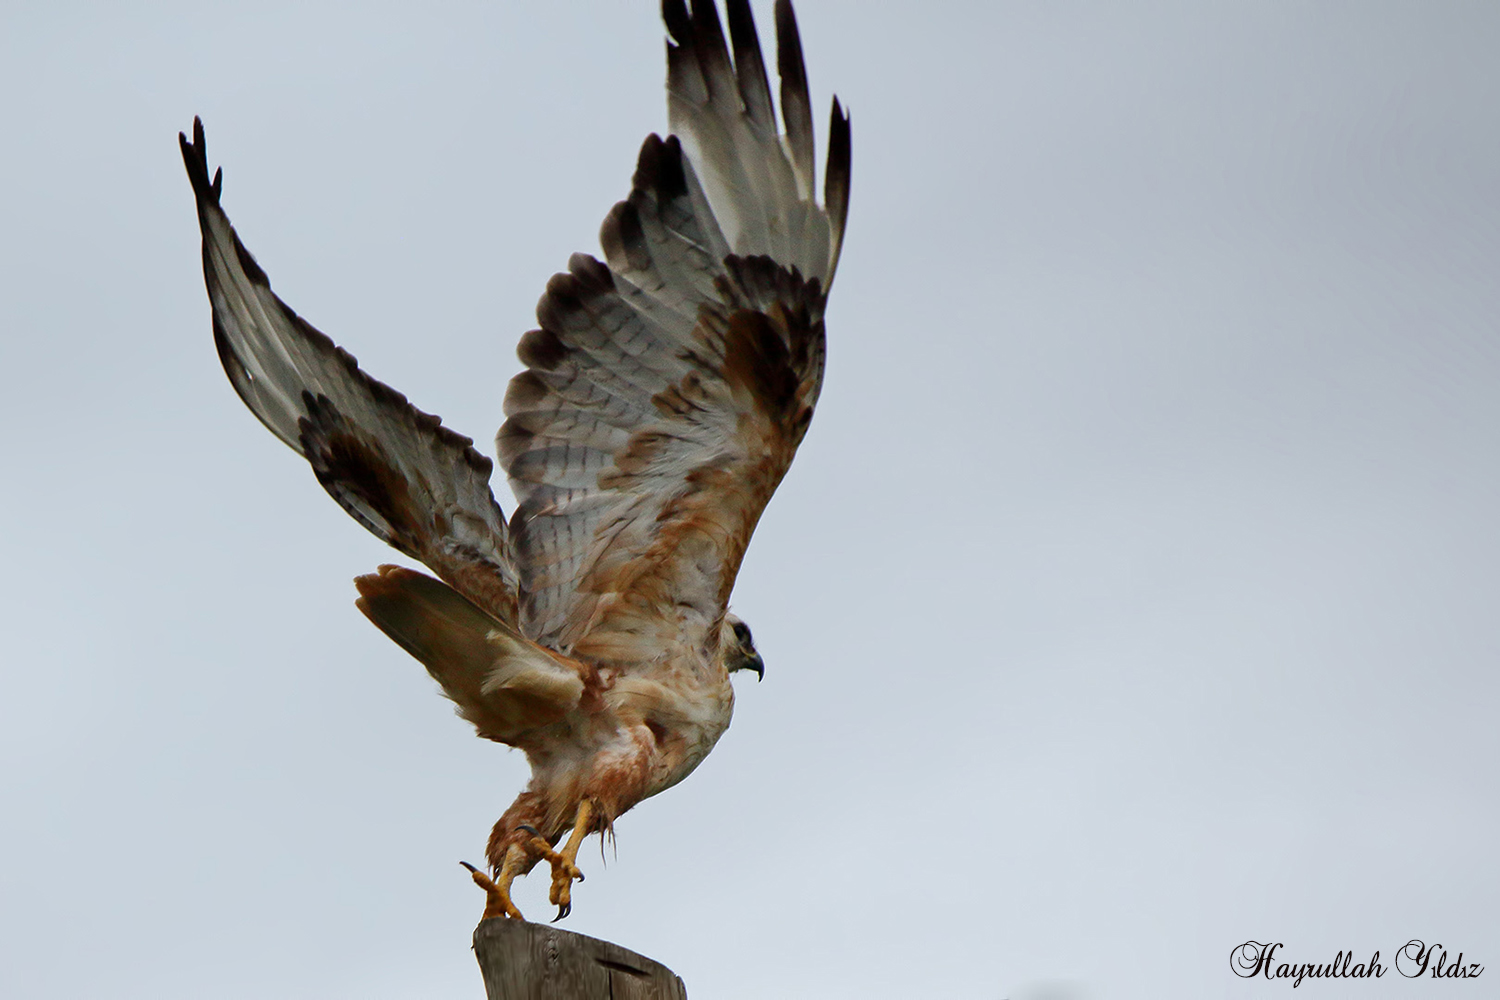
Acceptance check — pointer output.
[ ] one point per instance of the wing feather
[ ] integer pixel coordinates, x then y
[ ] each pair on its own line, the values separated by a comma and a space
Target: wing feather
668, 387
412, 482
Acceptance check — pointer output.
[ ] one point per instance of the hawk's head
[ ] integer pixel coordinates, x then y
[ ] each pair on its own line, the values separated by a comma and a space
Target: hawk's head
739, 648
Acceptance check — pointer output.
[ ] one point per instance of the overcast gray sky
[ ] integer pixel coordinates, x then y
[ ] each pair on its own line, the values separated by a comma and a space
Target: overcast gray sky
1133, 595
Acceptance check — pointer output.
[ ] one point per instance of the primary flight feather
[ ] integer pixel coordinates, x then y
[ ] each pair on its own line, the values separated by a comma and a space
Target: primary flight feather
666, 390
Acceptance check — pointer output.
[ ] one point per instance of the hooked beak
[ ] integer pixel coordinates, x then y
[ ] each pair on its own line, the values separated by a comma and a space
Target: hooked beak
759, 666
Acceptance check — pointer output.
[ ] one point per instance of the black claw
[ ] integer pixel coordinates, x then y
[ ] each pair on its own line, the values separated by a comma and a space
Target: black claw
472, 869
563, 911
580, 876
529, 829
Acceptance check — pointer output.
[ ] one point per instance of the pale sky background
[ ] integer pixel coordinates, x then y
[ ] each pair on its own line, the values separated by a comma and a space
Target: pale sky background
1133, 595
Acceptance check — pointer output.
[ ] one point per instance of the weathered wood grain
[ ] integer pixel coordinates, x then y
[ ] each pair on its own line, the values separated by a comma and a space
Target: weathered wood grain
524, 961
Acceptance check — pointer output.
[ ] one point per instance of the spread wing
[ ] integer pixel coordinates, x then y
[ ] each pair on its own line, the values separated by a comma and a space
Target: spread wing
669, 387
398, 471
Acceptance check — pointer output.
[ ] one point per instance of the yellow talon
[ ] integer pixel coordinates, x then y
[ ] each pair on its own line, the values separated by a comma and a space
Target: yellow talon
564, 867
497, 902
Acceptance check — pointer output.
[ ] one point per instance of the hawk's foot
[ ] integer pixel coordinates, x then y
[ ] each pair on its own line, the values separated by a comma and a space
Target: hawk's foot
564, 872
564, 866
521, 856
496, 894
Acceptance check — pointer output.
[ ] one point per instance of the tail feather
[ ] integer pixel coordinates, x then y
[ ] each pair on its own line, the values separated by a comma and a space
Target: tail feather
501, 682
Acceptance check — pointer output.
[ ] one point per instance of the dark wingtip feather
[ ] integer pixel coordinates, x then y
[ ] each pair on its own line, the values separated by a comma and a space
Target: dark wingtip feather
796, 105
709, 45
679, 25
750, 66
208, 192
789, 62
658, 168
195, 158
840, 158
836, 180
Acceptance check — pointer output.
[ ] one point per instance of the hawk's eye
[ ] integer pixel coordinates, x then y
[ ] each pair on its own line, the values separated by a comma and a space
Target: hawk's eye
742, 632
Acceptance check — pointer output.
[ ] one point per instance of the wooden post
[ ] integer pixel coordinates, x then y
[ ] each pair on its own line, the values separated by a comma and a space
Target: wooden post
524, 961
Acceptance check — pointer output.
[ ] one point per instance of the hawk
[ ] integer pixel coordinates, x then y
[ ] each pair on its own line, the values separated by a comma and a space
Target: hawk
664, 394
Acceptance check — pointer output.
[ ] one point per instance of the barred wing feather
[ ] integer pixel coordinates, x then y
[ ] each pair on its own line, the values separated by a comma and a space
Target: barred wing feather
667, 388
398, 471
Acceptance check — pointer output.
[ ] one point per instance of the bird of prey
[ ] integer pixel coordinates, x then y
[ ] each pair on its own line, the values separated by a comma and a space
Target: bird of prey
664, 394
